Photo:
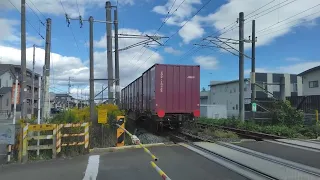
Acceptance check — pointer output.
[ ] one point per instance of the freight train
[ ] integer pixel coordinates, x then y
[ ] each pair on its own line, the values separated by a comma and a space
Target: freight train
164, 96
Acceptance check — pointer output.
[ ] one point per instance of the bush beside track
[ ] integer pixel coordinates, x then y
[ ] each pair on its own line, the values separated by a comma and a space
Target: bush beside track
285, 130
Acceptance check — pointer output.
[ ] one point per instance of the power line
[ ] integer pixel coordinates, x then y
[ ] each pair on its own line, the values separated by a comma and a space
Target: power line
38, 9
260, 8
168, 14
264, 34
74, 37
35, 14
288, 18
78, 7
272, 9
27, 21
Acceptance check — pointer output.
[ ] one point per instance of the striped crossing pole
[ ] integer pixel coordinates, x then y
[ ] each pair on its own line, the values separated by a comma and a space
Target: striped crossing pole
58, 144
86, 135
120, 131
137, 141
25, 143
161, 173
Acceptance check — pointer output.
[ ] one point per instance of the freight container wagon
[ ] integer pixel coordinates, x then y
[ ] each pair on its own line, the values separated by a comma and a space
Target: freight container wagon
163, 96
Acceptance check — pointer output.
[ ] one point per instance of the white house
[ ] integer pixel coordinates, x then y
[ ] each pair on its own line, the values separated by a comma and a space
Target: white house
310, 81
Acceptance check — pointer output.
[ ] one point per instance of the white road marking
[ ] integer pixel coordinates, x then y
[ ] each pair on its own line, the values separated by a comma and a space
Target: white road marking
92, 168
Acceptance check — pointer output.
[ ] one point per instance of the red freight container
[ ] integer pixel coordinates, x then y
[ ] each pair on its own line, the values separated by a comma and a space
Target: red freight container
165, 89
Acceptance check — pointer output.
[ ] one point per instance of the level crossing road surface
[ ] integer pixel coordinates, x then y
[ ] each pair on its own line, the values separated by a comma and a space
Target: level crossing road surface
3, 152
299, 155
178, 162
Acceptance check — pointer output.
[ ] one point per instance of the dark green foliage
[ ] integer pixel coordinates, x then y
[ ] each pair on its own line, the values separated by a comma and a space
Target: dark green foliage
283, 113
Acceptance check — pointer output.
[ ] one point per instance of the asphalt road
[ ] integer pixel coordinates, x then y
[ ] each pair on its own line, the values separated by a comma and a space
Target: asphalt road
3, 152
177, 162
301, 156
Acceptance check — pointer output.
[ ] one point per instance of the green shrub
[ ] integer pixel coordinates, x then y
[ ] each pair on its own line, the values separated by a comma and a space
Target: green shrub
283, 113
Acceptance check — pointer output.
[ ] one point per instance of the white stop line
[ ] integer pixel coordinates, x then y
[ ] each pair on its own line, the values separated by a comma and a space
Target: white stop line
92, 168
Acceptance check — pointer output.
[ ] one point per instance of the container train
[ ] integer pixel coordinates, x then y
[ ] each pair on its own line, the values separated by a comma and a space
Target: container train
164, 96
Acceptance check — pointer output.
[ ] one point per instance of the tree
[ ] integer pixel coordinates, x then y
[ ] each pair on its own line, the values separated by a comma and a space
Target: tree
203, 89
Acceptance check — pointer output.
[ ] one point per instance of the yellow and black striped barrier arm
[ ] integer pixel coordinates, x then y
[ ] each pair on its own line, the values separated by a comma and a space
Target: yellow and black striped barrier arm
136, 141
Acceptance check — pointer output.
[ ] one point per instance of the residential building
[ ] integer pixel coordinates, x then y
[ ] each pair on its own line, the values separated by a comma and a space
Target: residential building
8, 74
63, 101
310, 81
5, 102
204, 97
268, 85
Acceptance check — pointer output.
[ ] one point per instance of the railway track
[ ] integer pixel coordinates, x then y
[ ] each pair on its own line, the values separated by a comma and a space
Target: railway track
244, 133
246, 162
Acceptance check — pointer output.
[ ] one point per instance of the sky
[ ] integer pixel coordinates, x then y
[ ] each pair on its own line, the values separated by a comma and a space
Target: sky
286, 31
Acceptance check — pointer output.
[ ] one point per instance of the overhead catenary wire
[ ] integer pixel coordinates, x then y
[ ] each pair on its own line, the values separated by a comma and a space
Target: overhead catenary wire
74, 37
260, 8
27, 21
262, 30
36, 14
38, 9
154, 52
264, 33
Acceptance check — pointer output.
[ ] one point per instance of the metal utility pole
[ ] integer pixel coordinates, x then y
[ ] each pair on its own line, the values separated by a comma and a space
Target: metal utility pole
253, 65
33, 63
116, 57
23, 59
46, 104
109, 53
91, 98
241, 66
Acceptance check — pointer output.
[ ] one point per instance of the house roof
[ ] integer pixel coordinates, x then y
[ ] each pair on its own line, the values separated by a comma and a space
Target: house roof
5, 90
309, 70
228, 82
4, 68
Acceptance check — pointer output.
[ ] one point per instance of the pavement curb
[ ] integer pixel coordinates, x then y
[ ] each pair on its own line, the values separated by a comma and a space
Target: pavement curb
113, 149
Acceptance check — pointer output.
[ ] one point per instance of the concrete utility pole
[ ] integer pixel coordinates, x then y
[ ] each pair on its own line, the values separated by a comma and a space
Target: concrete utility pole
33, 63
69, 88
91, 70
23, 60
116, 56
102, 94
46, 104
253, 65
109, 53
241, 66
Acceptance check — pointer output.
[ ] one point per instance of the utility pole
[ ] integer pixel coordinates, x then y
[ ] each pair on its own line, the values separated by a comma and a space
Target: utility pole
33, 63
253, 66
46, 104
109, 53
241, 66
102, 95
69, 88
116, 56
91, 71
23, 59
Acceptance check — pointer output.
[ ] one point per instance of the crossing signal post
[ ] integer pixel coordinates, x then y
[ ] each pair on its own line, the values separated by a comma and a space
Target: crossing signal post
120, 131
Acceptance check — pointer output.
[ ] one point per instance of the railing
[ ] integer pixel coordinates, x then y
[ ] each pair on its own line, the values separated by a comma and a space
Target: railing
53, 133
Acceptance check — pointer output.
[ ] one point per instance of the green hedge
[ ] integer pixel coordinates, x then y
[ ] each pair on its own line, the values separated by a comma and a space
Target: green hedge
293, 131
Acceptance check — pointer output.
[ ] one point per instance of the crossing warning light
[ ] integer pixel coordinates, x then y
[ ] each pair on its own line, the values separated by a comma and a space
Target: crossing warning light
120, 132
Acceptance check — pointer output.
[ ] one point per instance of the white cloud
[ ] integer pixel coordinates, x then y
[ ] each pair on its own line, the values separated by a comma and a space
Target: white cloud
291, 69
185, 10
229, 12
207, 62
192, 30
54, 6
173, 51
63, 67
7, 30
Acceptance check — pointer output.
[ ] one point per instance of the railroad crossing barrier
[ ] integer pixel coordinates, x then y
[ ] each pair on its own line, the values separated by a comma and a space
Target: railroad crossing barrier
136, 141
56, 136
61, 136
120, 131
161, 173
28, 135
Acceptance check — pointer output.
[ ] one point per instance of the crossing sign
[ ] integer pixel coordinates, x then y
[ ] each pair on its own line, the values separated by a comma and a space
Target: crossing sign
254, 107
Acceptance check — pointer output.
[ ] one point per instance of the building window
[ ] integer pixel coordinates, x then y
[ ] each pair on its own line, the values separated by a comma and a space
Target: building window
313, 84
8, 102
236, 106
294, 87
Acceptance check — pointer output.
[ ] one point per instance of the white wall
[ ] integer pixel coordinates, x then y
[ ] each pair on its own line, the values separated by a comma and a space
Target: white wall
228, 94
312, 76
